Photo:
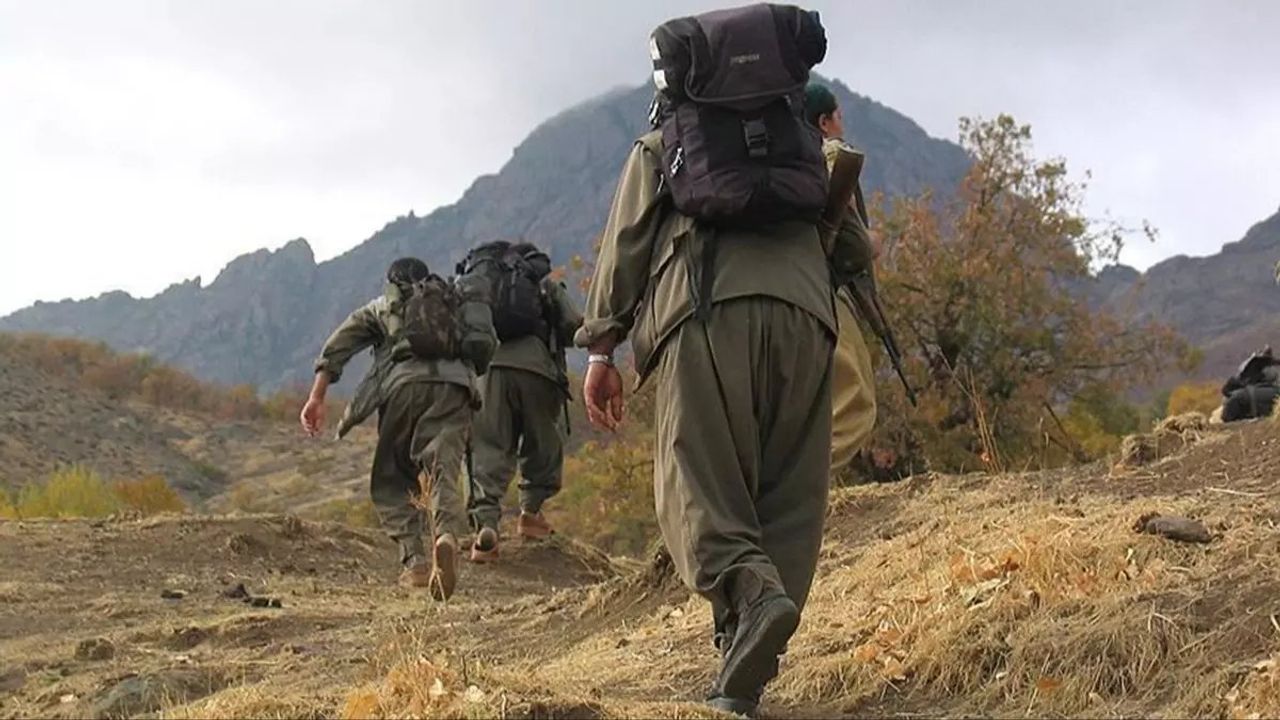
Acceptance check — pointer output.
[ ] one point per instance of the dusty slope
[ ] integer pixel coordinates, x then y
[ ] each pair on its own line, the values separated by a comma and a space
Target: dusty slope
1008, 596
46, 423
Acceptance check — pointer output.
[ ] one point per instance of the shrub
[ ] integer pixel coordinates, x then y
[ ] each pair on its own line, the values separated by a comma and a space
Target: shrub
246, 498
1194, 397
7, 509
149, 496
209, 471
70, 492
352, 511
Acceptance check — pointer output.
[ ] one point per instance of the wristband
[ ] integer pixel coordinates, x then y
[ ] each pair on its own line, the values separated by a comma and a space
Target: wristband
598, 358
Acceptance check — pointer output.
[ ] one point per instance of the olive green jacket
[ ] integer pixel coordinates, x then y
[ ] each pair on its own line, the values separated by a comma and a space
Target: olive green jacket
376, 325
650, 257
534, 355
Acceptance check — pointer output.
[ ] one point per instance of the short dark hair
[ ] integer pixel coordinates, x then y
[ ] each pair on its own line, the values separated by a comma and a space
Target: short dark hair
407, 270
818, 101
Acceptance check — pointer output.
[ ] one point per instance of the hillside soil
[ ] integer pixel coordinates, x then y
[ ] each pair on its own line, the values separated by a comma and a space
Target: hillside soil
1011, 595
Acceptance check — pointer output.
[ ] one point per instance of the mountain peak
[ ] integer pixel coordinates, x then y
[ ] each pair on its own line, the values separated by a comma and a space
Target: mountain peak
265, 315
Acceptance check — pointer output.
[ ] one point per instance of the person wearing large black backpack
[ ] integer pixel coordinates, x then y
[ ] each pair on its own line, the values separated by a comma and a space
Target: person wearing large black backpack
522, 420
712, 265
430, 337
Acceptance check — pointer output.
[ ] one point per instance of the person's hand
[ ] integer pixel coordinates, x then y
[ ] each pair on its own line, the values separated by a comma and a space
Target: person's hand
602, 391
312, 416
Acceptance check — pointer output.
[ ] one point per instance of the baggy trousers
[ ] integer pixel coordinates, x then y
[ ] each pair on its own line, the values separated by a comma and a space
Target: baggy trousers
743, 451
853, 390
422, 427
520, 422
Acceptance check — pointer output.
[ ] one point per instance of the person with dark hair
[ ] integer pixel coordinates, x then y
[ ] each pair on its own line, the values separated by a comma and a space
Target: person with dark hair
523, 420
430, 338
711, 263
853, 390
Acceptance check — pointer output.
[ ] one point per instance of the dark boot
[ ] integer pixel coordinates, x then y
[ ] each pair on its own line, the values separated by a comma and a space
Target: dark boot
751, 661
738, 707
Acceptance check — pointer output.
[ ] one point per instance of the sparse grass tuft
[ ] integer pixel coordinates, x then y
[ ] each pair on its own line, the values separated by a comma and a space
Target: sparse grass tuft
355, 512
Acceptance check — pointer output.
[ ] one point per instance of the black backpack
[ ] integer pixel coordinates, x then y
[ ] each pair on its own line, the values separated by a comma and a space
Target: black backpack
736, 146
515, 281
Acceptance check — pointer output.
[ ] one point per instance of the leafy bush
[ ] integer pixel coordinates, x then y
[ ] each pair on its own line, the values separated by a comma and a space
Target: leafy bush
70, 492
1194, 397
979, 287
607, 498
77, 491
149, 496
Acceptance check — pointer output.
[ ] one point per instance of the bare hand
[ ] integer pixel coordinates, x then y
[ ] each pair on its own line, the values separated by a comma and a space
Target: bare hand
312, 416
602, 390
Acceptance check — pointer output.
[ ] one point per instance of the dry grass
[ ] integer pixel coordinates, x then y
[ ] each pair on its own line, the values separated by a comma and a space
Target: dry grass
1170, 437
1013, 595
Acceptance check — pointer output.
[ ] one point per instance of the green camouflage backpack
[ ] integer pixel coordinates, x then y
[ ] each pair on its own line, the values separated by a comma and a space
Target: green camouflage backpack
429, 319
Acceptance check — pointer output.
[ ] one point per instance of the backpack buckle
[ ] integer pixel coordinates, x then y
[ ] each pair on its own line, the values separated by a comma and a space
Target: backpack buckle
677, 163
757, 136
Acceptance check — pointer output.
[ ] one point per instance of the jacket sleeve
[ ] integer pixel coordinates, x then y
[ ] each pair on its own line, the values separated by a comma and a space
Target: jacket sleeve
568, 317
360, 330
622, 267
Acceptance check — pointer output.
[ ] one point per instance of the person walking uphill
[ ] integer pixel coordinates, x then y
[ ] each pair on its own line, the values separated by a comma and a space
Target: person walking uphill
429, 339
853, 391
526, 391
712, 265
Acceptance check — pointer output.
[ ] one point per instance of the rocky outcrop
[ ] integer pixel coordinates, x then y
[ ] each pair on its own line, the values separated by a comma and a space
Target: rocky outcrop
264, 317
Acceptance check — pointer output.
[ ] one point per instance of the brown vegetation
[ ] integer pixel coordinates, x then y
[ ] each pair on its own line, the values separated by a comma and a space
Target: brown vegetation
999, 344
123, 376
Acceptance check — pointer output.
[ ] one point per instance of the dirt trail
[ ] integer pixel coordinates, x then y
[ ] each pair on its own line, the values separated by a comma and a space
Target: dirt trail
68, 582
1017, 595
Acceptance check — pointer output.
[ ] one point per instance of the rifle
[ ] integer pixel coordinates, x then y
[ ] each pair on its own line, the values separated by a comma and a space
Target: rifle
862, 288
863, 291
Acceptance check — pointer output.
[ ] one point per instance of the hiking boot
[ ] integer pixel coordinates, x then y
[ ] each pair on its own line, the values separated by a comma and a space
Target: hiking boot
485, 548
752, 659
416, 573
533, 526
737, 707
444, 576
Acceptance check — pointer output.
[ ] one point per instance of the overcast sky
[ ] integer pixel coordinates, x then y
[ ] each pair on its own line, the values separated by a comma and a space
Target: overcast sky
142, 143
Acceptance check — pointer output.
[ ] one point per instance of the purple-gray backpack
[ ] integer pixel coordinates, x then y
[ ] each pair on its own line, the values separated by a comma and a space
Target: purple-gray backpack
737, 149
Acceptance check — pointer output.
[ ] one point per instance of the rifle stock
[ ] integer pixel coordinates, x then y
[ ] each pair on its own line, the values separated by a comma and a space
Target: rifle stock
843, 189
845, 172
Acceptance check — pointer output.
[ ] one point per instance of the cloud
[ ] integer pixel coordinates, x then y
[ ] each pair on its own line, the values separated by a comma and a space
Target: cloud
146, 142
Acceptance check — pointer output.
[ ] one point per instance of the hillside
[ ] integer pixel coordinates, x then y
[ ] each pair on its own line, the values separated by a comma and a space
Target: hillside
47, 423
54, 414
263, 318
1014, 595
1227, 303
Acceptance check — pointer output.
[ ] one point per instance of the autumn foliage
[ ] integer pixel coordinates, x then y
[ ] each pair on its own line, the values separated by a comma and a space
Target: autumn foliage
1195, 397
126, 376
76, 491
988, 291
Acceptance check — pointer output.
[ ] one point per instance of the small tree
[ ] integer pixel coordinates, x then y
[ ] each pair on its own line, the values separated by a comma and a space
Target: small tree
990, 293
